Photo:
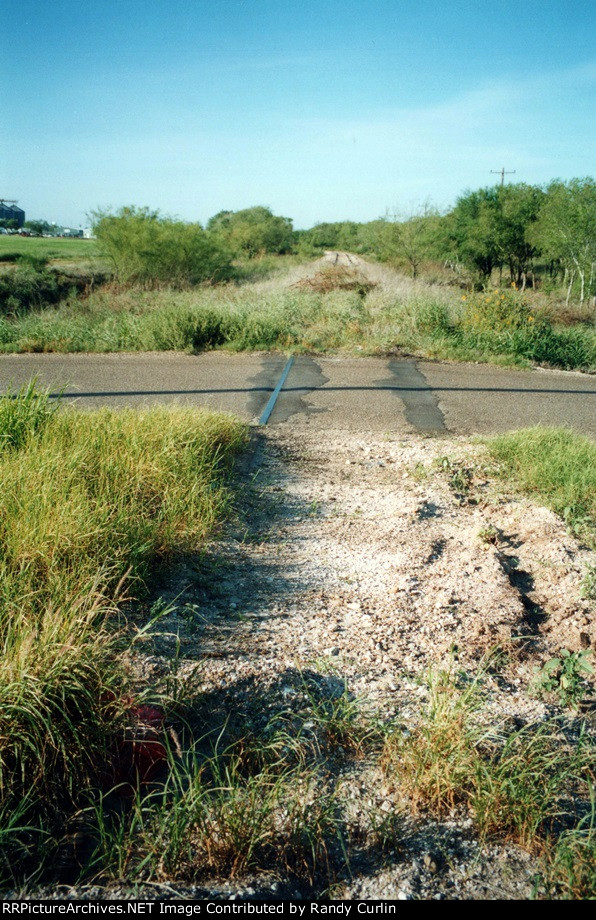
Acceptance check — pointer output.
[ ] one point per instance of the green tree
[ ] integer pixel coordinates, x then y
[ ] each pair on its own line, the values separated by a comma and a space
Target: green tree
518, 207
409, 240
145, 247
488, 229
253, 231
472, 231
565, 231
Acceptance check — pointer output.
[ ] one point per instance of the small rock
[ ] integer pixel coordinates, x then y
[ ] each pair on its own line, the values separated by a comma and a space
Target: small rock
430, 862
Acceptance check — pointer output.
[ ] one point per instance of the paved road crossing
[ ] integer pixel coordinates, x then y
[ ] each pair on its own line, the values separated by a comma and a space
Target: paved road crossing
377, 394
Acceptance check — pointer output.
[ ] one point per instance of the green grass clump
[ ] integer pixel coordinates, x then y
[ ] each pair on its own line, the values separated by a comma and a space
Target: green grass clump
90, 502
435, 765
224, 814
556, 466
516, 783
522, 784
570, 865
23, 415
249, 795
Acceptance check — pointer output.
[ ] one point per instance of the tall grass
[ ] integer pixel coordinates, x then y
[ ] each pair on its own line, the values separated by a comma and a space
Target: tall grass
219, 816
556, 466
286, 312
157, 321
89, 503
570, 865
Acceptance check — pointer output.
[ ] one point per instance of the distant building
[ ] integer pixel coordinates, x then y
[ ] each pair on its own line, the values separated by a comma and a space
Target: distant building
88, 233
9, 211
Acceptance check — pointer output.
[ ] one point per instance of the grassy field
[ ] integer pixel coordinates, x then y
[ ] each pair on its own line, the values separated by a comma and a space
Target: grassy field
91, 504
52, 249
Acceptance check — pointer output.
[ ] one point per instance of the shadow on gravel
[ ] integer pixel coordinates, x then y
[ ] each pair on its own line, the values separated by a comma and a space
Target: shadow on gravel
523, 582
211, 604
304, 726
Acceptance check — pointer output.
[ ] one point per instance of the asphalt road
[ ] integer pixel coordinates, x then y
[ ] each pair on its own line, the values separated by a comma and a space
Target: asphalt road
376, 394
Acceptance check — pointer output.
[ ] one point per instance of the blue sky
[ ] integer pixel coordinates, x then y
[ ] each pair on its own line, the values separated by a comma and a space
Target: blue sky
321, 110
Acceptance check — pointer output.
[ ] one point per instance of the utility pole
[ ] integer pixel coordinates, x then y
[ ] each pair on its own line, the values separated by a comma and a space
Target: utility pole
503, 172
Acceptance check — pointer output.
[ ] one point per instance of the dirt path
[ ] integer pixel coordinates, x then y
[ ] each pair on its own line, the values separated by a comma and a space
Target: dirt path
358, 563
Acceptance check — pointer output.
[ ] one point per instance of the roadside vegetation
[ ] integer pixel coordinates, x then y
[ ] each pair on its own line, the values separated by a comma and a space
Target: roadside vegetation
91, 504
268, 801
381, 313
508, 275
555, 466
532, 786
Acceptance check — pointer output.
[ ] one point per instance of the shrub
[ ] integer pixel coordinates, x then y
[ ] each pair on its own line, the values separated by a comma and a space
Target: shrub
147, 248
499, 311
503, 321
28, 287
337, 278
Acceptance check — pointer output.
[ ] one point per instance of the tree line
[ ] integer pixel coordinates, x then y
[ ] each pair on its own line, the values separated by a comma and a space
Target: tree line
517, 229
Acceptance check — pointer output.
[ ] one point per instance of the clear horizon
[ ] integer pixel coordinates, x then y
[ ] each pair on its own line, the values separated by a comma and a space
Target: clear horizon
334, 111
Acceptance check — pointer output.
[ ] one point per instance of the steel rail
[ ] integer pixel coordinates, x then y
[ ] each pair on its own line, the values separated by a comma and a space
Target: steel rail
273, 398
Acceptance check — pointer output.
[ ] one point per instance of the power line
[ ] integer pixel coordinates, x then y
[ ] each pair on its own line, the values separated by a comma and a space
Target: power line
503, 172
